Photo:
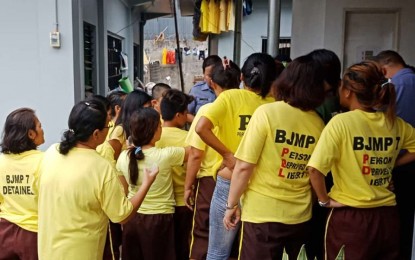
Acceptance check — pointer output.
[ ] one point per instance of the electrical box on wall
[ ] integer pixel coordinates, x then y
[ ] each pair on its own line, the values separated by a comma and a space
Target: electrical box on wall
55, 39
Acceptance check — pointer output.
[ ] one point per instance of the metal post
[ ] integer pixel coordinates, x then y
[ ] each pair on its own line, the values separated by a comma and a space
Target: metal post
237, 33
274, 15
179, 56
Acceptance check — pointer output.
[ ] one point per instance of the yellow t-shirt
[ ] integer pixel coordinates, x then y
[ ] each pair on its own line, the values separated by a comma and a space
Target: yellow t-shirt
279, 140
19, 176
211, 157
160, 198
360, 149
214, 16
231, 112
173, 136
119, 134
79, 193
204, 19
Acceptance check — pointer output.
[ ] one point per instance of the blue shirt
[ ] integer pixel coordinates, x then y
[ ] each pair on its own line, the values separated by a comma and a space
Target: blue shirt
203, 94
404, 81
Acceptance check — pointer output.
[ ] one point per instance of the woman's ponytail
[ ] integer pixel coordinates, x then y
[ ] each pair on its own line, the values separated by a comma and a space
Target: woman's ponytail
134, 153
68, 141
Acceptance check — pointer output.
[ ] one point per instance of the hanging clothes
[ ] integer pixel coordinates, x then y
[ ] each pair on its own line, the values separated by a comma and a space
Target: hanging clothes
197, 19
223, 9
247, 7
214, 16
204, 21
230, 19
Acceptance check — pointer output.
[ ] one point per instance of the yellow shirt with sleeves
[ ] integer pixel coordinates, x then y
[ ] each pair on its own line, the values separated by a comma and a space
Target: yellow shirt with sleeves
279, 141
231, 112
159, 198
360, 149
175, 137
19, 176
119, 134
79, 193
211, 157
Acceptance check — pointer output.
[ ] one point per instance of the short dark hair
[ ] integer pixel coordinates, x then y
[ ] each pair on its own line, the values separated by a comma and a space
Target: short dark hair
331, 66
158, 90
15, 137
301, 84
227, 77
84, 119
143, 126
174, 101
259, 72
389, 57
211, 60
134, 101
116, 98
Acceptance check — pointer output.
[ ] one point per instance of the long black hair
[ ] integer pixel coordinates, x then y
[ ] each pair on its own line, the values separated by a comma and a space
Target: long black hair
84, 119
143, 125
259, 71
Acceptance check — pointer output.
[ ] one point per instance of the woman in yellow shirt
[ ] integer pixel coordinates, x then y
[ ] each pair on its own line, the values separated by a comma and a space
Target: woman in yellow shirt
19, 176
231, 113
270, 170
80, 190
361, 148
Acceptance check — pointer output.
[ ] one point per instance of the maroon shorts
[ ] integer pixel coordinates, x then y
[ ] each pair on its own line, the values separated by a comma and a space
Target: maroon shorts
16, 242
149, 237
268, 240
365, 233
182, 227
200, 230
113, 242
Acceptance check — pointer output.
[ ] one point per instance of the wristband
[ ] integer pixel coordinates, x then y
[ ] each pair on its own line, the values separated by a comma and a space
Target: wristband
323, 204
234, 207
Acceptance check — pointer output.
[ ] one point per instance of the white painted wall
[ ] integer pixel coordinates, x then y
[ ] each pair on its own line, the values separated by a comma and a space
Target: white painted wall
254, 27
90, 11
34, 74
320, 24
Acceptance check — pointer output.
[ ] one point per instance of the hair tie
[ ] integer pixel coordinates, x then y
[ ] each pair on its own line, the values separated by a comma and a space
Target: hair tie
137, 150
71, 131
386, 83
87, 104
254, 71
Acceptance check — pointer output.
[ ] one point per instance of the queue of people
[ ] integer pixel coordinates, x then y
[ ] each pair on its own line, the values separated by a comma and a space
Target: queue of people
297, 157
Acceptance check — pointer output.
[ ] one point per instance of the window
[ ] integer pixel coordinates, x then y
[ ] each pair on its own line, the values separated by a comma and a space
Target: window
114, 61
89, 59
284, 47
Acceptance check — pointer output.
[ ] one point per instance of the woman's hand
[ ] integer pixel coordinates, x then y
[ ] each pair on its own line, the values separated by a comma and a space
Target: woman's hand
150, 174
189, 198
232, 218
335, 204
229, 161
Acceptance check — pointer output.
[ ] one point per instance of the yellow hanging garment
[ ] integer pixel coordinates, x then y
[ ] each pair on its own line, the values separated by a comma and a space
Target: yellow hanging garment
214, 14
230, 21
204, 19
164, 56
223, 8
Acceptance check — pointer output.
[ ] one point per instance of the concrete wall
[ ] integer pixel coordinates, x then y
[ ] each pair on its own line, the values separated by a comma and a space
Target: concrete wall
321, 23
33, 74
254, 28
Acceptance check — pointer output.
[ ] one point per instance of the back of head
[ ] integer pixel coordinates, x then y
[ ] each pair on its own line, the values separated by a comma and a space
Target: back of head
389, 57
331, 66
105, 102
301, 84
116, 98
211, 60
84, 119
158, 90
227, 77
15, 137
174, 101
259, 72
143, 125
134, 101
372, 89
